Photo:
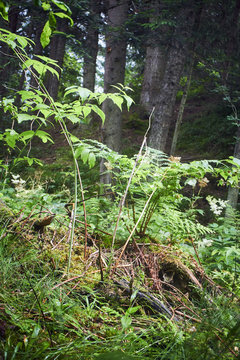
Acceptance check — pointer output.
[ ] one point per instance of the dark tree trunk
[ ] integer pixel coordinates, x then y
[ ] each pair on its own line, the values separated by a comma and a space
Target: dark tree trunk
115, 60
154, 63
233, 193
173, 71
57, 51
232, 36
91, 46
7, 59
38, 50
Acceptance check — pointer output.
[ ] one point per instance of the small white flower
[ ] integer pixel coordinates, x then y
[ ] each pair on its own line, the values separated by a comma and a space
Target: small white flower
206, 242
216, 205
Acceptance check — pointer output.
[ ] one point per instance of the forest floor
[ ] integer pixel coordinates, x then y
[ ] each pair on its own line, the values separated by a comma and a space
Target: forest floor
67, 296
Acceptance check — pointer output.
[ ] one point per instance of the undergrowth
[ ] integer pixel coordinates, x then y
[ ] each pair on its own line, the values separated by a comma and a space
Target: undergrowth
190, 269
131, 270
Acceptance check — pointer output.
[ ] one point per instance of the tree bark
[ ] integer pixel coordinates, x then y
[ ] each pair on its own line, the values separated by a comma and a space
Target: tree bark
115, 60
57, 51
7, 60
233, 193
174, 67
152, 78
155, 62
91, 46
38, 50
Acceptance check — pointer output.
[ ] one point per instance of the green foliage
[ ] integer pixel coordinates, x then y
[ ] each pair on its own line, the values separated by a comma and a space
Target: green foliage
46, 316
71, 72
51, 23
216, 334
164, 217
207, 134
220, 252
37, 107
4, 10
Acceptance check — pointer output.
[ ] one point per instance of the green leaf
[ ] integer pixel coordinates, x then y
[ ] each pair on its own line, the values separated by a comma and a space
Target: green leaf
48, 60
84, 155
101, 98
73, 118
46, 6
45, 35
128, 100
36, 331
132, 310
61, 5
44, 136
118, 100
24, 117
99, 112
22, 41
91, 160
11, 136
53, 71
133, 296
86, 110
74, 139
27, 135
236, 161
78, 152
52, 21
29, 160
82, 92
44, 109
40, 67
26, 94
77, 109
62, 15
4, 10
70, 90
126, 322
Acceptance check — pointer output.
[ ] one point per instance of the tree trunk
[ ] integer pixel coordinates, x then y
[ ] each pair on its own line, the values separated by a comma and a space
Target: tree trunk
38, 50
7, 61
188, 21
152, 78
233, 192
174, 67
115, 60
232, 36
57, 51
91, 46
181, 109
154, 64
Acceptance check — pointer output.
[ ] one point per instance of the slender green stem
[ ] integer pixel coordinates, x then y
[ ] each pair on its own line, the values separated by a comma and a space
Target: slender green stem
73, 218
